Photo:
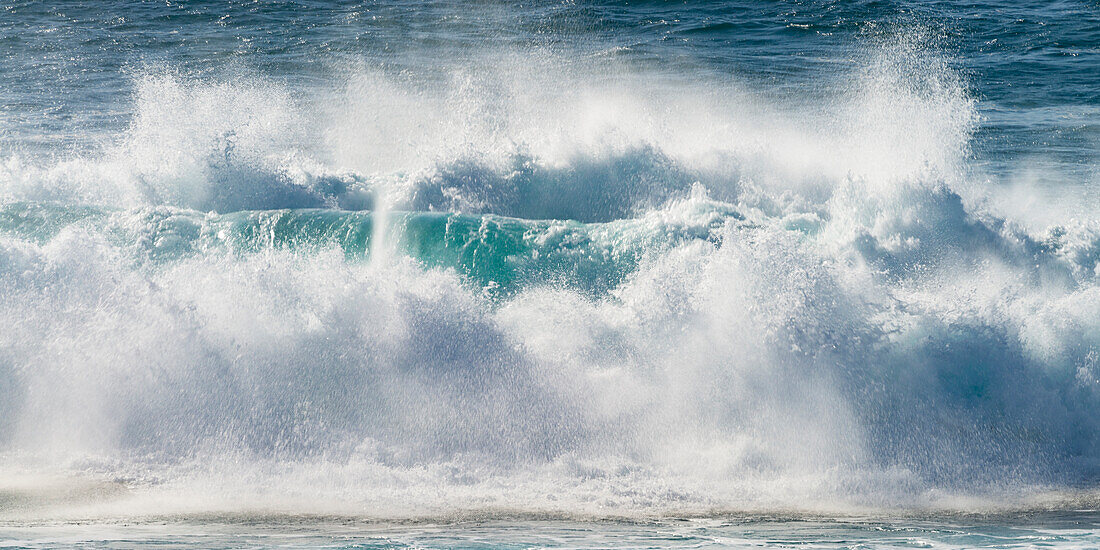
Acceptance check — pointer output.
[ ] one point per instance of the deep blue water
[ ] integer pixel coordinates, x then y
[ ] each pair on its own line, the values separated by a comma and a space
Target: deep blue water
619, 263
70, 68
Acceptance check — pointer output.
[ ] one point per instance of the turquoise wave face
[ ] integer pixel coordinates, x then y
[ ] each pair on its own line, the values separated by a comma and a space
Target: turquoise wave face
495, 254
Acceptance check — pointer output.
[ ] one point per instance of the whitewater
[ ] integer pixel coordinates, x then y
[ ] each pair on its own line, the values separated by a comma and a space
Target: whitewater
559, 268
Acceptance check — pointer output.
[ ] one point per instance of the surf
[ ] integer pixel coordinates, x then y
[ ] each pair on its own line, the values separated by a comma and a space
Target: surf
537, 290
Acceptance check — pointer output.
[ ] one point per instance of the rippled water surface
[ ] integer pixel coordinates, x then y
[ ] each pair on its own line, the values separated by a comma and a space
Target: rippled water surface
1062, 530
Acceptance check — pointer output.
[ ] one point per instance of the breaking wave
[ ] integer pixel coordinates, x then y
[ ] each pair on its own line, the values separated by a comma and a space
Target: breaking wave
538, 290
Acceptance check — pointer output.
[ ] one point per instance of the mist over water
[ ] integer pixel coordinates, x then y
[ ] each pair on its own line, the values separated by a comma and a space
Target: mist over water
617, 276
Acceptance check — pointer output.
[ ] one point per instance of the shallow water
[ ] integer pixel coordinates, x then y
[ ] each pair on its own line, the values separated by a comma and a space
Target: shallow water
1062, 530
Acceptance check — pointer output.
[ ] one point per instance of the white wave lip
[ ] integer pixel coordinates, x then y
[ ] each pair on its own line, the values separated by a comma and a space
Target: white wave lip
870, 333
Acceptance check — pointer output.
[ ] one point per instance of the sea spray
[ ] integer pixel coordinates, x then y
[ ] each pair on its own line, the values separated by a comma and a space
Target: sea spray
552, 285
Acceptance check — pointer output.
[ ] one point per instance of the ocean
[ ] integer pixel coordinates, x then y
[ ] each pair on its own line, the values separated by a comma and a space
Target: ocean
567, 274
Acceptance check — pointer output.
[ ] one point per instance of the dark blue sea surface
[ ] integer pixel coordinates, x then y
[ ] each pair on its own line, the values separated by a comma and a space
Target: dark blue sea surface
70, 68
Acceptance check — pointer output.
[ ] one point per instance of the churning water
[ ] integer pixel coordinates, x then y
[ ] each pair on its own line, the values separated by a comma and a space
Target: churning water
547, 264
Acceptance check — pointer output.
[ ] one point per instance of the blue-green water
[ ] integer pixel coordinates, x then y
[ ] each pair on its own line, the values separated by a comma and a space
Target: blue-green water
585, 274
1039, 531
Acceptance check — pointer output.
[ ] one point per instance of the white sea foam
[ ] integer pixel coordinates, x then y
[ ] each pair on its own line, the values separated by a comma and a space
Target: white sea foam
864, 333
